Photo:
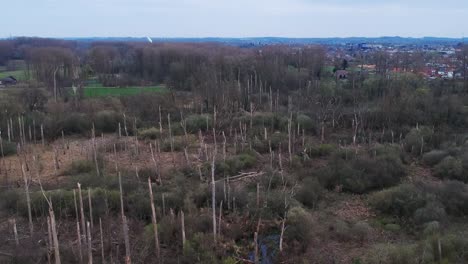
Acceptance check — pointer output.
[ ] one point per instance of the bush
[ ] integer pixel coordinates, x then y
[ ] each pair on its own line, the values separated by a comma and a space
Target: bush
235, 164
392, 254
178, 144
361, 231
434, 157
424, 251
9, 148
151, 133
298, 227
399, 201
194, 123
433, 211
454, 196
450, 168
310, 192
260, 145
362, 174
70, 124
278, 139
321, 151
306, 122
414, 139
108, 122
80, 166
392, 228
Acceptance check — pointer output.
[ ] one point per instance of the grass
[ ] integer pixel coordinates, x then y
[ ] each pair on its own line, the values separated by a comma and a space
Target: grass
20, 75
97, 90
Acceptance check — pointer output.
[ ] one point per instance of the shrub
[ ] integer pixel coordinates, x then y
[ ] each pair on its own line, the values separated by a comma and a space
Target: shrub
361, 231
9, 200
235, 164
392, 227
400, 201
261, 146
341, 230
9, 148
414, 139
278, 139
275, 204
454, 196
431, 229
392, 254
362, 174
70, 124
151, 133
424, 251
434, 157
80, 166
433, 211
194, 123
321, 151
298, 227
178, 144
450, 168
108, 122
310, 192
306, 122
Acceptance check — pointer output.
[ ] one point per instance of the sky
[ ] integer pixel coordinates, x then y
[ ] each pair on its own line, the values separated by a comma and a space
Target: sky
234, 18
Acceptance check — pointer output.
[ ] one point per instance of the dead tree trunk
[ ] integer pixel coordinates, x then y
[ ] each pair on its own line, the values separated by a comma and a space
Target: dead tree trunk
90, 204
182, 225
42, 135
290, 139
28, 200
15, 231
282, 234
171, 140
160, 121
156, 167
95, 152
220, 217
78, 236
124, 225
213, 192
155, 223
102, 242
83, 225
256, 248
90, 244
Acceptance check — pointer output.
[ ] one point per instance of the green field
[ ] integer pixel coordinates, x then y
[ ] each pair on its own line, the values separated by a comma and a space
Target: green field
98, 90
20, 75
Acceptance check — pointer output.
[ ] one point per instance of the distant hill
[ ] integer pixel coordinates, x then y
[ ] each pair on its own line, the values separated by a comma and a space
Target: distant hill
281, 40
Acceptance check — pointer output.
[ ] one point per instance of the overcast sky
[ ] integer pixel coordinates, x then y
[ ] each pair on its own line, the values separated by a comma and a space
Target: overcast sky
234, 18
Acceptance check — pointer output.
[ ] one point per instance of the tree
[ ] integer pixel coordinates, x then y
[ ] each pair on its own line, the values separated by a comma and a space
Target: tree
56, 67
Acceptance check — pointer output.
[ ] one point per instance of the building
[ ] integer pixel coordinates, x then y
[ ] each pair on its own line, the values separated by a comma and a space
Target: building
341, 74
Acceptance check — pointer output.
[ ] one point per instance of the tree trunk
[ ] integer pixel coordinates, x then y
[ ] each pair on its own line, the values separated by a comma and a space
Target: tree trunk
124, 225
90, 204
182, 225
102, 242
54, 235
90, 244
282, 235
213, 192
154, 221
257, 261
28, 200
83, 225
15, 231
78, 236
